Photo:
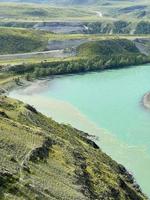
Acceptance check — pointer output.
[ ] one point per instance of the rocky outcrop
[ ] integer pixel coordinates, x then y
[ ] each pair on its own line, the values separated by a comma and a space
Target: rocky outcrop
31, 108
146, 100
143, 44
61, 27
42, 152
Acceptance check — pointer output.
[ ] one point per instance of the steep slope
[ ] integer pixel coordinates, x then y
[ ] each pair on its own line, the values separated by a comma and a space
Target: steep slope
41, 159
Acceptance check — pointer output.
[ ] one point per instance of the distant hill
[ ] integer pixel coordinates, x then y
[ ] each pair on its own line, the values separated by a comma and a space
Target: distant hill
53, 1
66, 1
108, 47
21, 41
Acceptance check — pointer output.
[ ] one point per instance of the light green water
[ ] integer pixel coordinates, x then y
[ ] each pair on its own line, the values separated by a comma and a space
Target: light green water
112, 100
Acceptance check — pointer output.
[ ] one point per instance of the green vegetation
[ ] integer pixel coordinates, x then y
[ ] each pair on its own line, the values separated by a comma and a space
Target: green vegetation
143, 27
21, 40
118, 27
109, 27
107, 48
129, 18
41, 159
92, 27
91, 56
13, 12
47, 12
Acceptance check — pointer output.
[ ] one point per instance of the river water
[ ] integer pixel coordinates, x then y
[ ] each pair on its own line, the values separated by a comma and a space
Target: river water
107, 104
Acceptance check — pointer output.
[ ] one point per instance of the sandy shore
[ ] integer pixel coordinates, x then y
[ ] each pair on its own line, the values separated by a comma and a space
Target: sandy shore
146, 100
33, 86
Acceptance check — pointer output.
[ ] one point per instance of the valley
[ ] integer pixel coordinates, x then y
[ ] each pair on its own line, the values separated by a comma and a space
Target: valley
84, 64
96, 103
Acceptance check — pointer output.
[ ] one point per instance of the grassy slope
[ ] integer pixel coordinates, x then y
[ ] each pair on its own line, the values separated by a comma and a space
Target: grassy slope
119, 17
39, 12
47, 12
21, 40
41, 159
15, 40
107, 48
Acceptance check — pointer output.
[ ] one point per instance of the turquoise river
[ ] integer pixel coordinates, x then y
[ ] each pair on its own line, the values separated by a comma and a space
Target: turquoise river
108, 105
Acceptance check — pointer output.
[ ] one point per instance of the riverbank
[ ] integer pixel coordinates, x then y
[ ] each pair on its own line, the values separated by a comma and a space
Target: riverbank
63, 101
33, 86
6, 85
146, 100
10, 83
61, 112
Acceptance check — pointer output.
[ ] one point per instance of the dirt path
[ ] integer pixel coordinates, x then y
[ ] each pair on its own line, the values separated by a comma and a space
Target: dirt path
53, 54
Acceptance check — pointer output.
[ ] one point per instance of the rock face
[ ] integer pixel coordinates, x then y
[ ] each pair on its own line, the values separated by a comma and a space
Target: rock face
95, 27
61, 27
146, 100
143, 45
41, 159
65, 44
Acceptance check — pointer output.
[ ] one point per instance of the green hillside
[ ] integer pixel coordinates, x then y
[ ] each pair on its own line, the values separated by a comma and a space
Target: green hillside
30, 12
41, 159
110, 17
21, 40
90, 56
107, 48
